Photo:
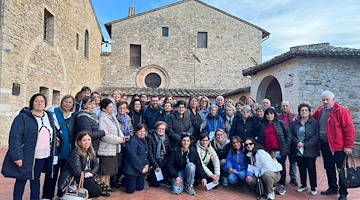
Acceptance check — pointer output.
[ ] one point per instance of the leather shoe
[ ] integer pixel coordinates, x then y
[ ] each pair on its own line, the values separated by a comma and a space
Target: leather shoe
329, 192
342, 197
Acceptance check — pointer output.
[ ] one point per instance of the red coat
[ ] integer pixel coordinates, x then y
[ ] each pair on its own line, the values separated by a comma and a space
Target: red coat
340, 127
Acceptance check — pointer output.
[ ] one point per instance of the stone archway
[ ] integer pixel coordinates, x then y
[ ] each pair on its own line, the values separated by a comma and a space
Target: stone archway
152, 76
270, 88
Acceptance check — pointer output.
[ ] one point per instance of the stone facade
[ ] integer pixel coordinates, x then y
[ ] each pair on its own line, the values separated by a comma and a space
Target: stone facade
31, 61
233, 45
305, 72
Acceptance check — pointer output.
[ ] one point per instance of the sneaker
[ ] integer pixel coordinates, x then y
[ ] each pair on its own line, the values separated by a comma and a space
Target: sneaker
271, 196
146, 185
313, 192
190, 189
294, 182
329, 192
302, 189
165, 184
225, 181
282, 190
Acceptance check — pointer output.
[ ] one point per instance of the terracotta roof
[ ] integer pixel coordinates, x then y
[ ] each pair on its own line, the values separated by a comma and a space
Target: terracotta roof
311, 50
108, 25
237, 91
162, 91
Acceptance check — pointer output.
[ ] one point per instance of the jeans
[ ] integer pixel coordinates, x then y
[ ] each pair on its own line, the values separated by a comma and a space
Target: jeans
34, 184
187, 175
237, 178
292, 167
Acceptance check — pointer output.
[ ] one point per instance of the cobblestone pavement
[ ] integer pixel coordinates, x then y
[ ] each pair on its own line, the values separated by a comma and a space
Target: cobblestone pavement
222, 193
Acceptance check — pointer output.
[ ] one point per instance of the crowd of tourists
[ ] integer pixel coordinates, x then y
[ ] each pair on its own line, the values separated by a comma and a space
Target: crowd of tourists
177, 144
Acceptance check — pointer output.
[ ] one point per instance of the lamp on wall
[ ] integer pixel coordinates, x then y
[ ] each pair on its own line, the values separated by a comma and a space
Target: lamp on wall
106, 43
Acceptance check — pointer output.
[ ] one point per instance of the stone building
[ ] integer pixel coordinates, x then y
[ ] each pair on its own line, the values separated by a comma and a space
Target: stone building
47, 46
187, 44
303, 73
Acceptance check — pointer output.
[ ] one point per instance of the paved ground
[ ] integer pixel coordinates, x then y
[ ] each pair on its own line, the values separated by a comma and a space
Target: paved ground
222, 193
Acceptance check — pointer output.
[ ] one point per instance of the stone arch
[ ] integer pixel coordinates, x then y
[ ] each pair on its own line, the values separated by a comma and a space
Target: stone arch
270, 88
146, 74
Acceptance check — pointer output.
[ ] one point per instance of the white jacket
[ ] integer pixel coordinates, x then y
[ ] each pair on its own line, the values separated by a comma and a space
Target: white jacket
264, 161
205, 159
110, 144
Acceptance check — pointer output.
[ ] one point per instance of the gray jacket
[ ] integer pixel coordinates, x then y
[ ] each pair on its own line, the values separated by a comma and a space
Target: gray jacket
110, 144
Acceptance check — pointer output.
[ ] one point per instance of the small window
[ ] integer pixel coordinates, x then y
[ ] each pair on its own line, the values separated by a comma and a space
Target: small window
56, 97
135, 55
165, 31
202, 40
86, 45
44, 91
77, 41
48, 27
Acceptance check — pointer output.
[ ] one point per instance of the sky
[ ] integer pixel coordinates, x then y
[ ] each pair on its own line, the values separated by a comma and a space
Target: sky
290, 22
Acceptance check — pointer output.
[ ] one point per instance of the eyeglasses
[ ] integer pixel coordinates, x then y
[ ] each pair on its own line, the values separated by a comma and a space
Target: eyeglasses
161, 129
39, 101
248, 144
204, 140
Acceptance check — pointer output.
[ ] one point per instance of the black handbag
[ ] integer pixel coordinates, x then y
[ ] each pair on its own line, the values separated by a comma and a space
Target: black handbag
349, 175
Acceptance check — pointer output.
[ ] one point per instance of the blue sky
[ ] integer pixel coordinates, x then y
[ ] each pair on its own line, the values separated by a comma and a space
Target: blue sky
290, 22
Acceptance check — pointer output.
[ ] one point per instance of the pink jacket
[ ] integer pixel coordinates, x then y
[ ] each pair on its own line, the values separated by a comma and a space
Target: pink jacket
340, 127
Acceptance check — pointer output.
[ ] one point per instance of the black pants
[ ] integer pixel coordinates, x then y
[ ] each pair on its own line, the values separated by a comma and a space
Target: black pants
152, 177
307, 165
133, 183
34, 184
50, 183
93, 188
283, 171
330, 160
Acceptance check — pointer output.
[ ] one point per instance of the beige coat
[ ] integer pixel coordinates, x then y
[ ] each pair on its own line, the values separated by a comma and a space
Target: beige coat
206, 158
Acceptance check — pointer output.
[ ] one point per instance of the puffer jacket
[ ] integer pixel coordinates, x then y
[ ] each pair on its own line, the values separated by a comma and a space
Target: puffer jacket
22, 142
340, 127
177, 126
283, 134
244, 129
312, 137
237, 161
87, 120
205, 158
214, 122
152, 143
110, 144
74, 166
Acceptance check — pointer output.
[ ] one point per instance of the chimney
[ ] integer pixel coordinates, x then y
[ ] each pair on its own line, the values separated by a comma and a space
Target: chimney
131, 11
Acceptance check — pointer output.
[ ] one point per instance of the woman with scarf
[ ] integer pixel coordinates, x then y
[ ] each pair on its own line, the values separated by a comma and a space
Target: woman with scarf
137, 162
109, 148
87, 120
159, 146
209, 160
221, 144
64, 120
127, 129
229, 117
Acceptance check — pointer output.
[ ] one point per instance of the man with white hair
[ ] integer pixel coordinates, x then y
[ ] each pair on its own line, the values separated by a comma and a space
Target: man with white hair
220, 102
266, 103
337, 135
288, 117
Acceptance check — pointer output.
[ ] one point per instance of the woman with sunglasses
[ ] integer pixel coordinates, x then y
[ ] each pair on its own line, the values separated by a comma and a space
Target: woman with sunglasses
267, 167
237, 164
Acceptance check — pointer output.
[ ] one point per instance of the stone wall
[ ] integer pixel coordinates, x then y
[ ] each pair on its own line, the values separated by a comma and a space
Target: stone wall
34, 62
310, 77
231, 46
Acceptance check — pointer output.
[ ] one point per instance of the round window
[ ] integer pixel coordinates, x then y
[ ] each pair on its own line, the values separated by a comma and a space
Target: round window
153, 80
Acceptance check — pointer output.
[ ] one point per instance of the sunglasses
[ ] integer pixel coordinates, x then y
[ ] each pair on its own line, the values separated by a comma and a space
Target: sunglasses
248, 144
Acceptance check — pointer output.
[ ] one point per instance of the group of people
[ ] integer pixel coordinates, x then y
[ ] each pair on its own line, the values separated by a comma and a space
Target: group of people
185, 143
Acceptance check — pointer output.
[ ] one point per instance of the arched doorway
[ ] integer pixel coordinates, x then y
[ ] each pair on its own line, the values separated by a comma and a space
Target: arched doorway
269, 88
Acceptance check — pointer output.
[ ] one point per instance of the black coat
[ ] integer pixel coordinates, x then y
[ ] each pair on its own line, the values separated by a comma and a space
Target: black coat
136, 117
176, 162
177, 126
74, 166
244, 129
283, 134
137, 156
152, 144
86, 122
312, 137
222, 153
22, 142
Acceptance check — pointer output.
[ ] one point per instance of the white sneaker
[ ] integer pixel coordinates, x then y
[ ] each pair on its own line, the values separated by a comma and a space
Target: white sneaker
314, 193
271, 196
302, 189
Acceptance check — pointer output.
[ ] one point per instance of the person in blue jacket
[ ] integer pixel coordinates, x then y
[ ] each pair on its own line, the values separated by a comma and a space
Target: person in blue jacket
31, 147
137, 160
214, 121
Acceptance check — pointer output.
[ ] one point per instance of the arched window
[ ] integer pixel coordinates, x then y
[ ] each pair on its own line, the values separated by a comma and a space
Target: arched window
86, 46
